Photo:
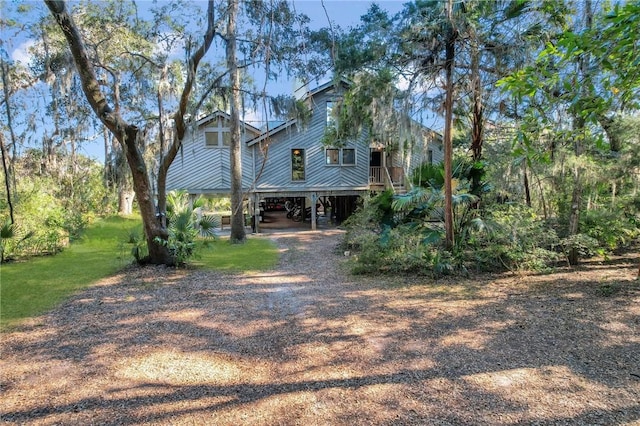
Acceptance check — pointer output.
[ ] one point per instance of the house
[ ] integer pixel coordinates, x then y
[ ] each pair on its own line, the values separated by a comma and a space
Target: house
290, 162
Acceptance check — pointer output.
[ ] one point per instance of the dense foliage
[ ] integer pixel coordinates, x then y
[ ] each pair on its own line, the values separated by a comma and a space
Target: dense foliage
53, 205
404, 233
547, 164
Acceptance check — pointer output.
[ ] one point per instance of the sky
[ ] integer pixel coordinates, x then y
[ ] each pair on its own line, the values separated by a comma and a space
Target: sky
340, 12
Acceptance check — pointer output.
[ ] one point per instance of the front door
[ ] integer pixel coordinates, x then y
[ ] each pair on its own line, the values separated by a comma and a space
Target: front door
375, 158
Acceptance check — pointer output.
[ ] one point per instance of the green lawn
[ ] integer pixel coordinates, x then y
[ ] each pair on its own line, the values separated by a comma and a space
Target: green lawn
257, 254
33, 287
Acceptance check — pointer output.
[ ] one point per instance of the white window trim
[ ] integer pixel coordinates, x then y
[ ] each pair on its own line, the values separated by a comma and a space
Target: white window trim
219, 129
340, 157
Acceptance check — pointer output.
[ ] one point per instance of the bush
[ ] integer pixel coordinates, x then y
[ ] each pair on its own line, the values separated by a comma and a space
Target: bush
185, 224
585, 245
610, 229
519, 240
509, 236
397, 250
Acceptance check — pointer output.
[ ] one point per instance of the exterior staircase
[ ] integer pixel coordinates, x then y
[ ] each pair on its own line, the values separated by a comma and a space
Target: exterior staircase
381, 178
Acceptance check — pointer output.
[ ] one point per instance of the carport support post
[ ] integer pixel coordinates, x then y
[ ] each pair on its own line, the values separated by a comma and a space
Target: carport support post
256, 213
314, 214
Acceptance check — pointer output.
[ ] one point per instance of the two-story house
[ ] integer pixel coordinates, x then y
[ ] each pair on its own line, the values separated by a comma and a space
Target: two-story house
289, 161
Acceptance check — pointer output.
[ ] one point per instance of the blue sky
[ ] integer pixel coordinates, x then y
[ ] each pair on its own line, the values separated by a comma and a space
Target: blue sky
341, 13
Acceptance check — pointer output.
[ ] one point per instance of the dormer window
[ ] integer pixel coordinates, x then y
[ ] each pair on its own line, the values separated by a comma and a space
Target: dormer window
218, 134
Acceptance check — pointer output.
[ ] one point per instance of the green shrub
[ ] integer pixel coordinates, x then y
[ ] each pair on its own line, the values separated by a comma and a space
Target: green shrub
519, 239
136, 239
585, 245
508, 236
11, 239
610, 229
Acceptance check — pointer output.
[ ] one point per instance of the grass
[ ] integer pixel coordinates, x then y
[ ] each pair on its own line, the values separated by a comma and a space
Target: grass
256, 254
30, 288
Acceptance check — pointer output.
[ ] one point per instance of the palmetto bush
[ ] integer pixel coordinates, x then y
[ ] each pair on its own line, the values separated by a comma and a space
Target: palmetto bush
407, 233
185, 224
11, 238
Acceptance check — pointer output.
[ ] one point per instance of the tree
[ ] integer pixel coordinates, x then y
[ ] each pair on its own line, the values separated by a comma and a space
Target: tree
129, 135
571, 82
4, 69
237, 219
450, 52
413, 51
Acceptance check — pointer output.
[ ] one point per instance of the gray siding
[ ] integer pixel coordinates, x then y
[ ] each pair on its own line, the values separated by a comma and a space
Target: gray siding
419, 152
201, 169
319, 176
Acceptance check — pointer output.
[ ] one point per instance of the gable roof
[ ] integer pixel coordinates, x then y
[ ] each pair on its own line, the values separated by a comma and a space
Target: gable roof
222, 114
328, 85
287, 124
268, 133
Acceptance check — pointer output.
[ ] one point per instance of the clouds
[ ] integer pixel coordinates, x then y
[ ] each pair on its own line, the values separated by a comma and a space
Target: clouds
22, 54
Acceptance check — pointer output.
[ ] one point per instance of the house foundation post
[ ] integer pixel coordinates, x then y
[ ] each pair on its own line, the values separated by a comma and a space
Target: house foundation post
314, 213
256, 213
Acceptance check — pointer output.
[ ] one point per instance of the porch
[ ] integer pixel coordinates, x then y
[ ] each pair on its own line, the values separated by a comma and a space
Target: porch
386, 177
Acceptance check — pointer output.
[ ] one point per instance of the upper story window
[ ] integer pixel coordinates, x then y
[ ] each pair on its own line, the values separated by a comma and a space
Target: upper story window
332, 121
332, 156
340, 156
297, 164
348, 156
218, 134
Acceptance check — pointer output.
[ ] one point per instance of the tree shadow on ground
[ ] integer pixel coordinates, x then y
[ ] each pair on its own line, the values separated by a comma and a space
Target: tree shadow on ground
316, 346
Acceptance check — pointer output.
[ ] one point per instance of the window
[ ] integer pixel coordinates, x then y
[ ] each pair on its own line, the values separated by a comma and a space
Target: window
226, 138
297, 164
333, 156
430, 156
348, 156
340, 156
211, 138
331, 120
219, 135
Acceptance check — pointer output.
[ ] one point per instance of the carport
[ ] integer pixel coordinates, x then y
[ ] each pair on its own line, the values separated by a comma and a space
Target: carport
327, 209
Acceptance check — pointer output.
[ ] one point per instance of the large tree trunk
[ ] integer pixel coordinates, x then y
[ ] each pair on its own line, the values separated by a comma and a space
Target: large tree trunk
125, 201
159, 253
126, 134
238, 233
477, 113
448, 123
612, 131
7, 177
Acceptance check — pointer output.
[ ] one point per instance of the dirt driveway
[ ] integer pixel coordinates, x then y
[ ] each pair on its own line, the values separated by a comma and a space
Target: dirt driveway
307, 344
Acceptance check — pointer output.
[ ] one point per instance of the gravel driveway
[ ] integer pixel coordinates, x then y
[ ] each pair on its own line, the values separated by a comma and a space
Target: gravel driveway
308, 344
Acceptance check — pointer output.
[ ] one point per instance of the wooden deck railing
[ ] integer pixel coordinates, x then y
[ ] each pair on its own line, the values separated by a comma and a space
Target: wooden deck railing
378, 176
